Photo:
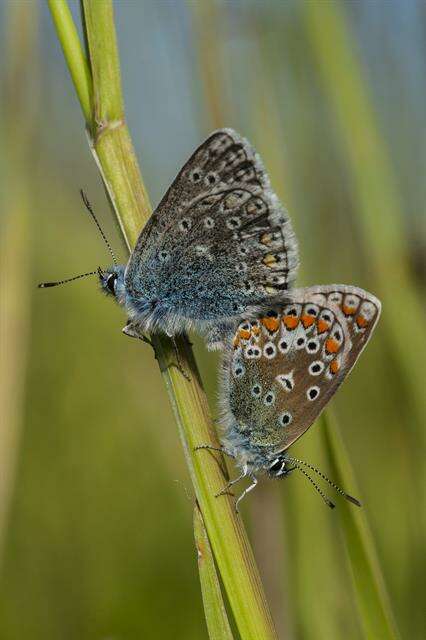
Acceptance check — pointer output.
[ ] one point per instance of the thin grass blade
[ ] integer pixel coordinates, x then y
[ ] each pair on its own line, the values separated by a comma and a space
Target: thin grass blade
373, 602
214, 607
115, 157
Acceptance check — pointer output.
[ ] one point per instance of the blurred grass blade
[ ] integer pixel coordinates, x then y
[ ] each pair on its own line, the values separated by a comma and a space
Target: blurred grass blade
206, 18
214, 607
379, 204
20, 97
76, 60
376, 615
113, 150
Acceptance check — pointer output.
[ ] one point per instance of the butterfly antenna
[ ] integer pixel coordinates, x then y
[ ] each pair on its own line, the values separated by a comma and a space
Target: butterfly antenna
312, 481
92, 213
44, 285
330, 482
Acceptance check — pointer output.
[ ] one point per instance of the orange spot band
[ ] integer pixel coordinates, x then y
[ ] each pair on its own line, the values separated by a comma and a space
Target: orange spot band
361, 321
348, 311
307, 321
322, 326
291, 322
272, 324
334, 367
331, 345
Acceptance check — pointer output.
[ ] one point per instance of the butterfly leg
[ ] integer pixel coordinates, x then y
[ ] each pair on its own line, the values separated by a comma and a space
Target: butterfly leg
132, 331
232, 482
178, 362
210, 447
246, 491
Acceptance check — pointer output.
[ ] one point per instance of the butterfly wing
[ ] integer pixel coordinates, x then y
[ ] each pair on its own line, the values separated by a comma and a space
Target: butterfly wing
284, 367
219, 241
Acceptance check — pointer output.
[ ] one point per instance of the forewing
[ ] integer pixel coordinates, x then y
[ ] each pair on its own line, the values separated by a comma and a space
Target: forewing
286, 366
220, 213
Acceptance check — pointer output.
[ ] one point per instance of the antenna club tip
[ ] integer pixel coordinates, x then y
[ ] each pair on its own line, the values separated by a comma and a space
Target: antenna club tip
331, 504
353, 500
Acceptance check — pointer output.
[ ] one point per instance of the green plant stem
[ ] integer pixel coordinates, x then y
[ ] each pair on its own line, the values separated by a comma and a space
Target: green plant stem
114, 154
18, 128
379, 203
214, 608
376, 614
76, 60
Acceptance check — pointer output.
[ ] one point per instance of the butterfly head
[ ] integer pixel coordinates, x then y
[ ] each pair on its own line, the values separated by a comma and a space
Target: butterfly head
112, 281
279, 466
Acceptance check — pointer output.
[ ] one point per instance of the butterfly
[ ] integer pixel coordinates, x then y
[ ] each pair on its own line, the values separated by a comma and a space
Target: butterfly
218, 245
281, 368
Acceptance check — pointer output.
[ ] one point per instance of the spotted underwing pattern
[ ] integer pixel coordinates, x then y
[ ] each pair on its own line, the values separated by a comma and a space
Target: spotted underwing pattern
219, 244
280, 369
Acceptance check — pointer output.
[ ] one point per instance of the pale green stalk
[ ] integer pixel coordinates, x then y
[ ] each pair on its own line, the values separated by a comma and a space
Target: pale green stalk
18, 127
114, 154
214, 607
375, 610
379, 206
76, 60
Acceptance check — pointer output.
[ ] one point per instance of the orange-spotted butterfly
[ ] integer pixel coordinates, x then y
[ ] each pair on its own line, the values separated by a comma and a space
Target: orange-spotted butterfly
281, 368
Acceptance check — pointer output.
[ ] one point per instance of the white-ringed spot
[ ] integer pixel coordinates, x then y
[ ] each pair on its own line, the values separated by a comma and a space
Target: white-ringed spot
269, 350
256, 390
185, 224
269, 398
208, 222
286, 380
316, 368
312, 393
285, 419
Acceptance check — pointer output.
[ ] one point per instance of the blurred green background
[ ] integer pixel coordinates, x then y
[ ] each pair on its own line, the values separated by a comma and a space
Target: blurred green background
96, 534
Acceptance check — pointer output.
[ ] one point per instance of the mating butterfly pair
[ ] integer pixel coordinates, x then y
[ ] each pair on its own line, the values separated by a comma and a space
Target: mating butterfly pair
219, 255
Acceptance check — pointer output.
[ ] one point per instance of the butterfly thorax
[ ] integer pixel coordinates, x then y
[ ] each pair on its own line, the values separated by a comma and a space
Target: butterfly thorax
238, 442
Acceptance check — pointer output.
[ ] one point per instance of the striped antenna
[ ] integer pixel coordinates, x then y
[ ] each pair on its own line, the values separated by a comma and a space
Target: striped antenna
45, 285
92, 213
330, 482
312, 481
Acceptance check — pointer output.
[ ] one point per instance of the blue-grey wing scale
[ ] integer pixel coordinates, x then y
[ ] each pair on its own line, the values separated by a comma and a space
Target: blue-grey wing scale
219, 243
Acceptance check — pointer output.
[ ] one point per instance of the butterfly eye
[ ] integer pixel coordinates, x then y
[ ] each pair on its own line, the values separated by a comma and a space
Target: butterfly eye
276, 466
110, 283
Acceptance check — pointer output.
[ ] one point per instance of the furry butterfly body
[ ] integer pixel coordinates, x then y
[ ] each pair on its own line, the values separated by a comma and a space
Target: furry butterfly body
218, 245
281, 368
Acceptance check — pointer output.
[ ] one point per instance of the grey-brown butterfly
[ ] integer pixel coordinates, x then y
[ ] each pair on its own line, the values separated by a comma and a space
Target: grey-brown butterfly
281, 368
218, 245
